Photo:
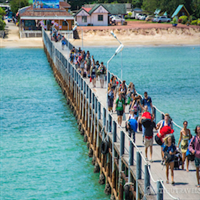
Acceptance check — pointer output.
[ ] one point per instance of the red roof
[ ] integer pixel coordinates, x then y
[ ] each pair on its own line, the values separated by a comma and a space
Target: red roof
45, 12
87, 9
64, 4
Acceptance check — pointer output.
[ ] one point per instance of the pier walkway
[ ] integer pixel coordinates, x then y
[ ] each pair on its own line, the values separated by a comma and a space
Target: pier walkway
185, 182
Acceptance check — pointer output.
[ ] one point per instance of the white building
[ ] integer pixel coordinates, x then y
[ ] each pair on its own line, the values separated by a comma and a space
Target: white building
96, 16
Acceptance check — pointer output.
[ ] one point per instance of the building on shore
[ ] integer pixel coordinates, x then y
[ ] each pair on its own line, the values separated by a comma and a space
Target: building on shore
181, 11
38, 15
98, 14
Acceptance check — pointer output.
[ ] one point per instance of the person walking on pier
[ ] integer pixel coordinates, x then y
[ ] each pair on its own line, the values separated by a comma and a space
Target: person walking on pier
185, 136
123, 90
147, 101
88, 63
110, 97
148, 138
145, 115
120, 107
102, 71
132, 127
159, 136
114, 83
169, 152
134, 104
93, 72
194, 147
81, 63
63, 42
131, 89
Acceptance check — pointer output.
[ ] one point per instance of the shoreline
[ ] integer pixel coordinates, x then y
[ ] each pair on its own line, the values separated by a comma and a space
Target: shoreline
105, 39
99, 43
110, 46
143, 35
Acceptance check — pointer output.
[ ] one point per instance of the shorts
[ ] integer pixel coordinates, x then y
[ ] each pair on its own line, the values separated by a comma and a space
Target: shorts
88, 68
93, 76
131, 132
110, 103
102, 77
197, 162
148, 142
120, 112
82, 66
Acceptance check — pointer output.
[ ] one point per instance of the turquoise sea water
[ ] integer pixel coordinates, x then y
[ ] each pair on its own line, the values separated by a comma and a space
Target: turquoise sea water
43, 155
170, 75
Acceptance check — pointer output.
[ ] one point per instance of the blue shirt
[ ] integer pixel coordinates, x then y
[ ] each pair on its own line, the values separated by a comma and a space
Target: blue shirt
171, 148
146, 101
133, 124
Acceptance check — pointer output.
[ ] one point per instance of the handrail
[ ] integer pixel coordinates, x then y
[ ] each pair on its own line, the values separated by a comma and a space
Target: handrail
168, 192
130, 139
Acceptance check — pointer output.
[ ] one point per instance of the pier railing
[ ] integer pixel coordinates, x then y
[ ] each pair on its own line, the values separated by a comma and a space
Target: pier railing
138, 168
110, 74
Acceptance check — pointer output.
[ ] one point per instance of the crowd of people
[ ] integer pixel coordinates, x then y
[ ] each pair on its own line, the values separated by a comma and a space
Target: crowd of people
56, 36
141, 116
87, 66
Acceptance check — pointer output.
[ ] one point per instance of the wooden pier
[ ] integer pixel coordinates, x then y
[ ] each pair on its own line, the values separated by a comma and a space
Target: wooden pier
123, 168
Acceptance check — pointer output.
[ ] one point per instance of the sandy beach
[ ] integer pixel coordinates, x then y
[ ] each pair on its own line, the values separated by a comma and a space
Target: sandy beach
102, 37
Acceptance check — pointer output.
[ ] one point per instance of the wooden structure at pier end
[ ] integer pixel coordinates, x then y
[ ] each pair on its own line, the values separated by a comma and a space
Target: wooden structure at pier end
122, 166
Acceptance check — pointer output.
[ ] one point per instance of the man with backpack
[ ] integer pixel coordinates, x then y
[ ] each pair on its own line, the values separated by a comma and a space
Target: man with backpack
120, 108
194, 148
132, 127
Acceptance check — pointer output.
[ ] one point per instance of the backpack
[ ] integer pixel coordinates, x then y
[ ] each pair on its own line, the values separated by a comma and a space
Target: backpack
189, 154
102, 70
111, 95
88, 61
167, 157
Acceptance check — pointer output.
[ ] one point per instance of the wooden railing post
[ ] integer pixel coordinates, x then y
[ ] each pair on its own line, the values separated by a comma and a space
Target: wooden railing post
138, 172
146, 179
159, 191
122, 140
114, 139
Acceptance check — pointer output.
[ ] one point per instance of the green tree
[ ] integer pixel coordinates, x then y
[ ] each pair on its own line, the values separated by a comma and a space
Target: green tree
2, 23
2, 11
16, 4
150, 5
195, 6
137, 3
